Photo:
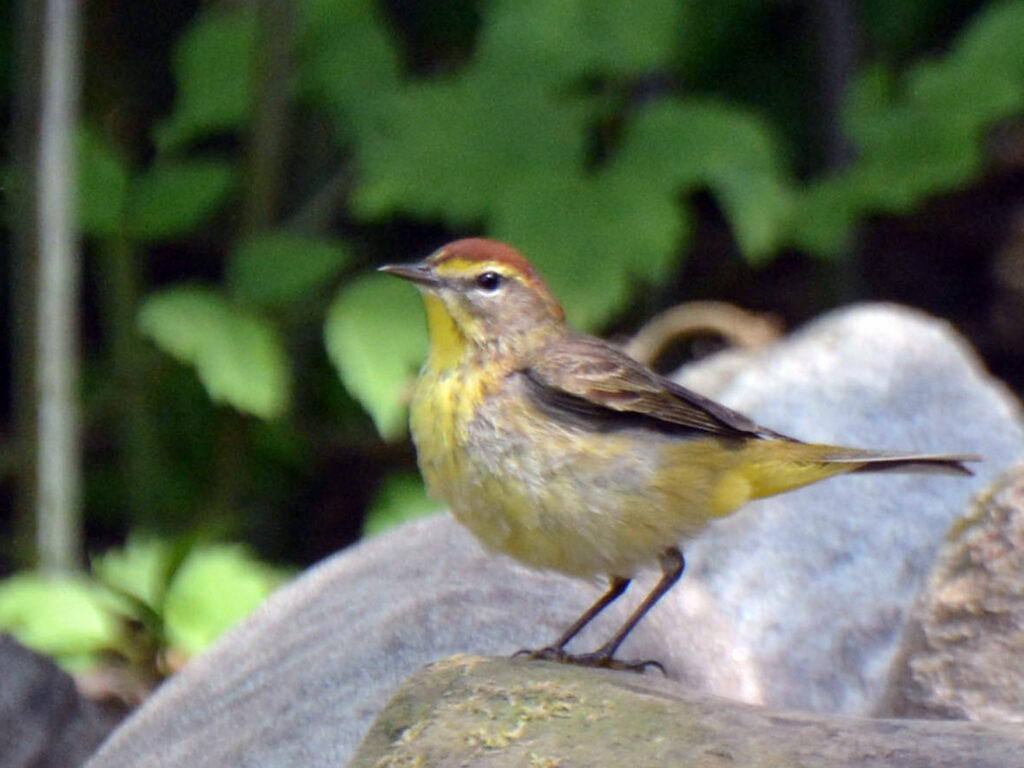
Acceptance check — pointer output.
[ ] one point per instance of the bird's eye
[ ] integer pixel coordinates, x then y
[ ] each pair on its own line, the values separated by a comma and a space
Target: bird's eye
489, 281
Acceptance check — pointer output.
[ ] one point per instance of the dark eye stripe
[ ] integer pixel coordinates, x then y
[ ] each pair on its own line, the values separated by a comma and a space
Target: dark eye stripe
489, 281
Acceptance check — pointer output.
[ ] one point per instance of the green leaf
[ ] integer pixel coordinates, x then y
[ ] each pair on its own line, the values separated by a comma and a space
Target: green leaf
920, 134
139, 569
175, 197
593, 239
555, 41
239, 356
277, 268
680, 146
102, 184
213, 69
65, 617
216, 587
400, 499
493, 134
346, 60
759, 206
825, 215
376, 338
991, 44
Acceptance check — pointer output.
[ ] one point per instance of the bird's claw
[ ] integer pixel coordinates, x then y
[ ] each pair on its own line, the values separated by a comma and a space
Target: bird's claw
551, 653
598, 659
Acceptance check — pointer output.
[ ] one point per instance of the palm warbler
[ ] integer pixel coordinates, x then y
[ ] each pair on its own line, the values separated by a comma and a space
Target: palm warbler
559, 450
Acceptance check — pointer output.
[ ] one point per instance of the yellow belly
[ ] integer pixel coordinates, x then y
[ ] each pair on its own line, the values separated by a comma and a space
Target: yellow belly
584, 502
581, 503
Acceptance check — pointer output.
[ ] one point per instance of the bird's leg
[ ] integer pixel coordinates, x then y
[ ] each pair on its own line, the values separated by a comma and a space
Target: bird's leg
672, 565
556, 651
616, 587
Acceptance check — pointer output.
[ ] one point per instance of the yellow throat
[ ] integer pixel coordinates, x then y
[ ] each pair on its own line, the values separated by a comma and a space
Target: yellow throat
448, 344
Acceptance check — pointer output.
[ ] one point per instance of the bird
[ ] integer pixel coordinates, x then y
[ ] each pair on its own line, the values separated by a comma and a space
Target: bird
558, 449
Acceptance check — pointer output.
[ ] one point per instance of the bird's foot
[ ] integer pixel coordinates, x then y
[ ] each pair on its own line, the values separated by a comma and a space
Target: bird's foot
598, 658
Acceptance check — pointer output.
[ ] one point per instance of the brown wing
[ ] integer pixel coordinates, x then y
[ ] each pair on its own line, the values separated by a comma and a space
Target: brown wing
590, 381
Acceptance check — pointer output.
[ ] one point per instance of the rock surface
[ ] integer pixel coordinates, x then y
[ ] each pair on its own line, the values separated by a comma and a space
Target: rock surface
44, 721
815, 585
963, 651
500, 712
795, 602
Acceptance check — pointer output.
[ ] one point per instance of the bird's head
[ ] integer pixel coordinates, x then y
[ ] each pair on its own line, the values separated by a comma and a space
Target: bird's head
482, 293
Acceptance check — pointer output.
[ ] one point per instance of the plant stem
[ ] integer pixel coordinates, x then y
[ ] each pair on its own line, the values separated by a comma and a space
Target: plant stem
58, 474
267, 140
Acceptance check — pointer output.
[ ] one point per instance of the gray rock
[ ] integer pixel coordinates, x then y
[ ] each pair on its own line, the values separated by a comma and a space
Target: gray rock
814, 586
795, 601
962, 654
44, 722
503, 713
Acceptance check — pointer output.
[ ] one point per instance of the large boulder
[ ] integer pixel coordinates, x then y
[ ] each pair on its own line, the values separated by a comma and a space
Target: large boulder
794, 602
962, 654
502, 713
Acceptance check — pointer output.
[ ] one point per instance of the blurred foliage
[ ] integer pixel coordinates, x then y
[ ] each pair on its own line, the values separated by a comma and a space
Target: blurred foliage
143, 604
505, 143
401, 498
67, 618
238, 356
168, 199
374, 350
919, 132
213, 68
581, 131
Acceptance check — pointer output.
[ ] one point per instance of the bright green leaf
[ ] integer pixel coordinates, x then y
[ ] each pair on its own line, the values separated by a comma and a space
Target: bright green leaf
239, 356
213, 69
65, 617
139, 569
401, 498
277, 268
215, 588
174, 197
376, 338
102, 185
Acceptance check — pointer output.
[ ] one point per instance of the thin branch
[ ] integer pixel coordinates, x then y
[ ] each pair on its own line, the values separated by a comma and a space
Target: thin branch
58, 459
268, 137
320, 208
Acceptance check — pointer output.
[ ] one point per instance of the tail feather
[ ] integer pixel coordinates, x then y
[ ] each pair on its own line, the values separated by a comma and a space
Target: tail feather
769, 467
895, 461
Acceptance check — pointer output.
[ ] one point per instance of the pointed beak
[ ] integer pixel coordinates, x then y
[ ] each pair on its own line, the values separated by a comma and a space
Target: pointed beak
415, 273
